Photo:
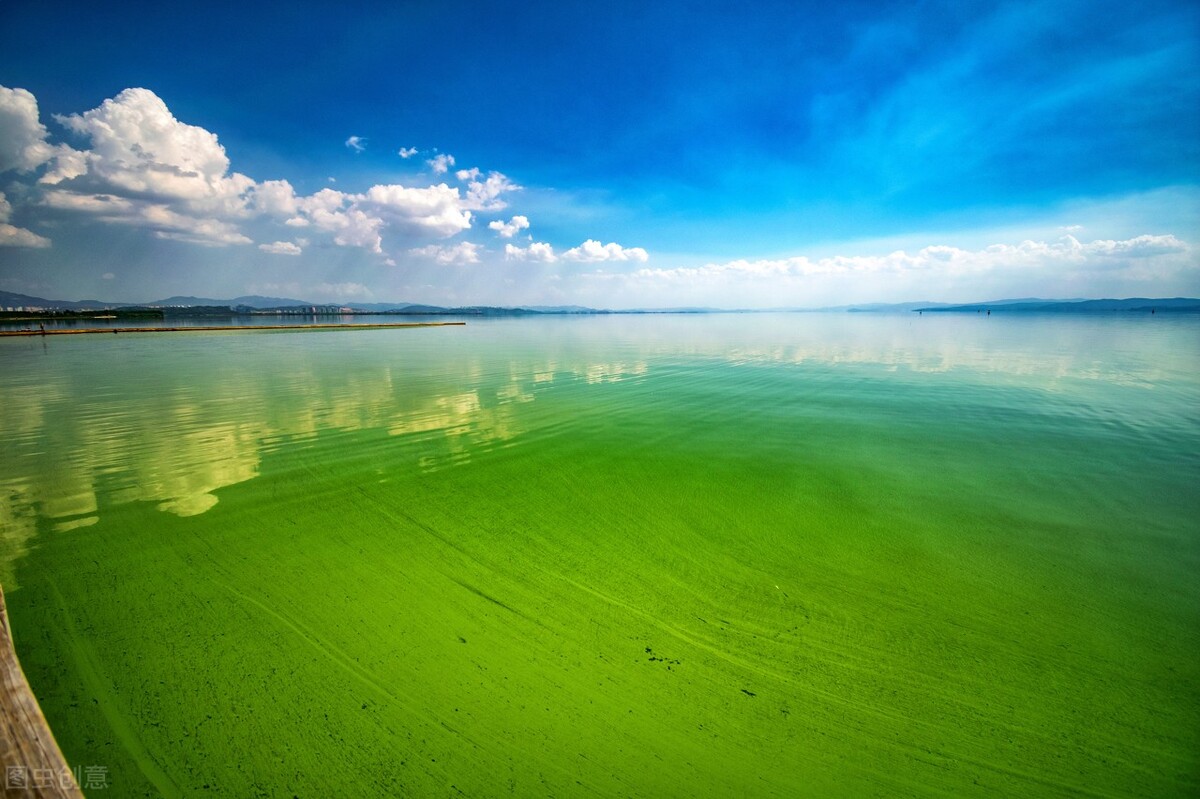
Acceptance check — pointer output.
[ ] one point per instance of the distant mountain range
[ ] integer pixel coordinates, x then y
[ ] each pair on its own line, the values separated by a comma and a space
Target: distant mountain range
10, 300
250, 301
1140, 304
257, 303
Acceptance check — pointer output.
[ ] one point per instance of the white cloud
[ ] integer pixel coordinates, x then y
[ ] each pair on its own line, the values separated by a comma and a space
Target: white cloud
592, 251
467, 174
11, 236
157, 217
484, 195
23, 144
441, 163
462, 253
1061, 268
107, 276
103, 205
145, 168
67, 163
945, 260
274, 197
139, 149
334, 212
407, 152
208, 232
506, 230
537, 251
281, 248
437, 210
323, 200
142, 167
359, 219
1139, 247
356, 228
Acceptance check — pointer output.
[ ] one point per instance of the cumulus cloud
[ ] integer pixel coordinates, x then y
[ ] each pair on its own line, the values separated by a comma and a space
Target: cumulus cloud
592, 251
275, 197
139, 166
157, 217
66, 164
103, 205
12, 236
335, 212
359, 219
484, 195
143, 168
281, 248
23, 144
462, 253
438, 210
140, 150
506, 230
441, 163
538, 251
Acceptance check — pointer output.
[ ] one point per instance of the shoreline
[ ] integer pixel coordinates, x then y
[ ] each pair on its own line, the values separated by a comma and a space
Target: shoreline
215, 328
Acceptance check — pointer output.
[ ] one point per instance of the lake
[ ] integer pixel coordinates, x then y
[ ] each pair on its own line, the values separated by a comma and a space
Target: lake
680, 555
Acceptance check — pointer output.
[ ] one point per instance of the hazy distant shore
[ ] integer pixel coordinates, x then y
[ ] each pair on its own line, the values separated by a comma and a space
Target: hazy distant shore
21, 307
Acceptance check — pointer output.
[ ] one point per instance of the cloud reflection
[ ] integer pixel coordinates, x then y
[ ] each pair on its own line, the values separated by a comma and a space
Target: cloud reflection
73, 452
83, 431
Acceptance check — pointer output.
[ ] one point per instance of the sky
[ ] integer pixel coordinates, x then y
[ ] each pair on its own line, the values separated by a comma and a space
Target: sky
615, 155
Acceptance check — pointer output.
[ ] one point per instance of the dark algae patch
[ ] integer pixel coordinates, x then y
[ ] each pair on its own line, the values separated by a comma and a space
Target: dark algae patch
752, 556
668, 662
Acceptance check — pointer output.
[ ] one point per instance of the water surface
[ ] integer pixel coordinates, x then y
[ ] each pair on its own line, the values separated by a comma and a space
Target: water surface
769, 555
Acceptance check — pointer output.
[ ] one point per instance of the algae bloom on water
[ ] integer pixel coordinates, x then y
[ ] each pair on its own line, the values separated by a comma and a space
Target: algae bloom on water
737, 555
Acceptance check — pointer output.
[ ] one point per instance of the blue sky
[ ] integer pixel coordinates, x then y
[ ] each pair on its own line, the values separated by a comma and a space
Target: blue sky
617, 154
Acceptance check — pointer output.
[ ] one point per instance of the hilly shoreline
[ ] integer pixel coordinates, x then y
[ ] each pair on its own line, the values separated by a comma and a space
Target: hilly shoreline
14, 303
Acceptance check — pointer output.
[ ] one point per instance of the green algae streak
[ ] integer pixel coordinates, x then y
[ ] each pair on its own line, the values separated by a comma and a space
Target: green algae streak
745, 555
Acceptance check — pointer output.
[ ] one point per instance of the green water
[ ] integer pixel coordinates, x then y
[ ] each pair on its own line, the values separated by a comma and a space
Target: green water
793, 555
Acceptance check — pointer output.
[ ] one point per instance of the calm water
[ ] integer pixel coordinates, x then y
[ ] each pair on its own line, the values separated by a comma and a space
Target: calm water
793, 555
